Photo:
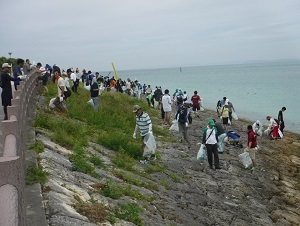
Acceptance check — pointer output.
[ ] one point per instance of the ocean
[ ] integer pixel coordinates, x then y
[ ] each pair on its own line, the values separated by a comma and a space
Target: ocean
255, 89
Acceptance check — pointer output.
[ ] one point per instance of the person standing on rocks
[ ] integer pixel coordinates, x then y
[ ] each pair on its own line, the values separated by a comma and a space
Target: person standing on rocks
210, 139
167, 107
251, 147
6, 94
280, 119
196, 103
144, 125
182, 116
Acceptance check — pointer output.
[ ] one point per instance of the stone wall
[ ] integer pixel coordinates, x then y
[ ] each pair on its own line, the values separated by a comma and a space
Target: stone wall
12, 163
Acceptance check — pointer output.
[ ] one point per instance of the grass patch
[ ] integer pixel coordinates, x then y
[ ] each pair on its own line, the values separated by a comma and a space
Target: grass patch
131, 179
80, 161
174, 177
155, 167
97, 161
95, 212
130, 212
36, 175
116, 191
38, 147
165, 183
123, 161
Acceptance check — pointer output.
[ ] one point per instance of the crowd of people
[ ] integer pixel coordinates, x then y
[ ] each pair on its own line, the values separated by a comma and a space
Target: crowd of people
186, 108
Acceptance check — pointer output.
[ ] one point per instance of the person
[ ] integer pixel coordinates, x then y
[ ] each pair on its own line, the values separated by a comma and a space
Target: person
148, 90
57, 104
73, 79
61, 87
210, 140
280, 119
230, 108
251, 147
220, 104
6, 94
185, 96
257, 128
273, 127
158, 95
195, 101
144, 125
128, 87
167, 107
221, 136
26, 67
225, 115
182, 117
18, 71
95, 94
43, 75
150, 99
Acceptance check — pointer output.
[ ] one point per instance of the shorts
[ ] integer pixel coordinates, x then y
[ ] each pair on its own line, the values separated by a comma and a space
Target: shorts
168, 113
196, 108
225, 121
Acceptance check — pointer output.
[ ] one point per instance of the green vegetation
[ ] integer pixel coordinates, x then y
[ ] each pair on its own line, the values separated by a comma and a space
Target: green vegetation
94, 211
36, 175
174, 177
116, 191
130, 212
80, 161
96, 160
111, 126
38, 147
131, 179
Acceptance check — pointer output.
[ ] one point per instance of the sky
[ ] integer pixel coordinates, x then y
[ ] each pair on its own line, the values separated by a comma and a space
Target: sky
142, 34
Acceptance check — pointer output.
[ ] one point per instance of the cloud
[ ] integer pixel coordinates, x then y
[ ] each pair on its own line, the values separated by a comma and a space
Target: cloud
149, 34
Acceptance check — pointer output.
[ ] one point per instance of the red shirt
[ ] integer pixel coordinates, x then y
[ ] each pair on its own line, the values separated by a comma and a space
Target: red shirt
252, 138
195, 99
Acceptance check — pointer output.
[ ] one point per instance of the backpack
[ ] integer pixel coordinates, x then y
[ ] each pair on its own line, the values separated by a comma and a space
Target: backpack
67, 93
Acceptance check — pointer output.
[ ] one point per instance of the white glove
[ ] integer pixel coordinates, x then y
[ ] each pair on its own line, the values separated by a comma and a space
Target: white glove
186, 124
150, 131
61, 99
134, 136
221, 117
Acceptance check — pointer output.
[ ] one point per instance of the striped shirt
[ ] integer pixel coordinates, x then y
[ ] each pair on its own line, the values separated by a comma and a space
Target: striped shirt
143, 121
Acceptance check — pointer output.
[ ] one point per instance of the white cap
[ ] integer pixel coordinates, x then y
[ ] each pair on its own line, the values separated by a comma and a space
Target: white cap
6, 65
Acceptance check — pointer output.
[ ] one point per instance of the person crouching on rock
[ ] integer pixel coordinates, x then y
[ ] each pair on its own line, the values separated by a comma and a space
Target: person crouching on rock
210, 139
251, 147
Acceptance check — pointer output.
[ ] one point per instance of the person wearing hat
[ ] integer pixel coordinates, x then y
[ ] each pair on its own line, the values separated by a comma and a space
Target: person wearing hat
6, 94
210, 140
273, 127
182, 116
144, 125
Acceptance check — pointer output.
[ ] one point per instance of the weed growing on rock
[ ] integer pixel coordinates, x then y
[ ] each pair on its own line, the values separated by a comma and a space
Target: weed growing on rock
97, 161
174, 177
130, 212
38, 147
36, 175
124, 161
80, 161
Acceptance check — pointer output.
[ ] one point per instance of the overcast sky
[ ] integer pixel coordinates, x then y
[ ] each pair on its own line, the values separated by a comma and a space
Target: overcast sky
137, 34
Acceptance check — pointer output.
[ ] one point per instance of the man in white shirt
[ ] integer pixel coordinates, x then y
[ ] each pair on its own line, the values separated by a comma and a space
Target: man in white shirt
61, 87
73, 78
167, 107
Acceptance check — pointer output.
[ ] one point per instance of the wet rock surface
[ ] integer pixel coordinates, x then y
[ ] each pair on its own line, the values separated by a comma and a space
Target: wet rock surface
188, 191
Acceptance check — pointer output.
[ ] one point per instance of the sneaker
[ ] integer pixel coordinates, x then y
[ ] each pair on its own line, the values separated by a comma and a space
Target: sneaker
144, 161
218, 167
253, 169
152, 158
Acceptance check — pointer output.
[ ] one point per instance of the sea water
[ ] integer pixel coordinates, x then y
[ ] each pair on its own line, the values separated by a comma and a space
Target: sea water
256, 90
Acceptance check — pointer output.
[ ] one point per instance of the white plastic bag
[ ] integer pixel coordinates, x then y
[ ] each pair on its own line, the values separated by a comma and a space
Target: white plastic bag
91, 102
88, 88
202, 154
150, 144
174, 126
201, 108
260, 131
234, 116
221, 141
280, 133
245, 159
229, 122
267, 132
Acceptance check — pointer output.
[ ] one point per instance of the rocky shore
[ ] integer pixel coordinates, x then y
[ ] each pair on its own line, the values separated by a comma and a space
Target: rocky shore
176, 189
